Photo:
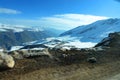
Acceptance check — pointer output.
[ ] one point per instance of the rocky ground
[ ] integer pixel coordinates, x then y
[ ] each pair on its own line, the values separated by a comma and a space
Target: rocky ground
74, 64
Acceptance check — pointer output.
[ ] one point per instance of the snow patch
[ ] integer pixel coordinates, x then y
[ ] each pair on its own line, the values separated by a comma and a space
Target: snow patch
13, 48
79, 44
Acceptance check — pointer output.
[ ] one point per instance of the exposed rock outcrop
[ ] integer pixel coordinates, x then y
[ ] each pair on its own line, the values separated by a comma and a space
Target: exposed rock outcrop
26, 53
113, 40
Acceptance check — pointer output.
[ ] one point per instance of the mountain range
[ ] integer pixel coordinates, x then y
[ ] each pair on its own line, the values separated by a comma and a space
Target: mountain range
81, 36
13, 35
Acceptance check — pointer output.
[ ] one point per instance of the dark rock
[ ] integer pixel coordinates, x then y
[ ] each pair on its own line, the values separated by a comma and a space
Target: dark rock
92, 60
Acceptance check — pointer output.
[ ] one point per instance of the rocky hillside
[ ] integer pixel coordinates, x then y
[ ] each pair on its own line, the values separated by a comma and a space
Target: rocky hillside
113, 40
99, 63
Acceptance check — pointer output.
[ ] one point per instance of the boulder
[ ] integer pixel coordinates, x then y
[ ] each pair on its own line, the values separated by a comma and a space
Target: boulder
92, 60
6, 61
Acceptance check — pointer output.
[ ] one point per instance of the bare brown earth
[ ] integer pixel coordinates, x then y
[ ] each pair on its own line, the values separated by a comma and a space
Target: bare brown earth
73, 67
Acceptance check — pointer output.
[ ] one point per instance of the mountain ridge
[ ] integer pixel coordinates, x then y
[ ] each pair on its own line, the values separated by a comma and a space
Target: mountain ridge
96, 31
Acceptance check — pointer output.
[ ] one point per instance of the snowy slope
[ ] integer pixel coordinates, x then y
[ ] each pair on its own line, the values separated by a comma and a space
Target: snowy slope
96, 31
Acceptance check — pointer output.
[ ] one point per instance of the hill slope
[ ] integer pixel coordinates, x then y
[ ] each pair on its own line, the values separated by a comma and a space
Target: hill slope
96, 31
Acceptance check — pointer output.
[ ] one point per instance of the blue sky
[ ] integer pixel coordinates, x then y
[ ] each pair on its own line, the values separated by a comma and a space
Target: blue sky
60, 14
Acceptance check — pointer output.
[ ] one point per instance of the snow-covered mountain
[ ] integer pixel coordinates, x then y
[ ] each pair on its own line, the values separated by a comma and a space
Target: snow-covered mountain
96, 31
21, 28
81, 37
16, 35
17, 28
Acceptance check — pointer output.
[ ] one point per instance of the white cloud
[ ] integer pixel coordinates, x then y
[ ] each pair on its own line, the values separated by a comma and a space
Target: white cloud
9, 11
69, 21
63, 21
